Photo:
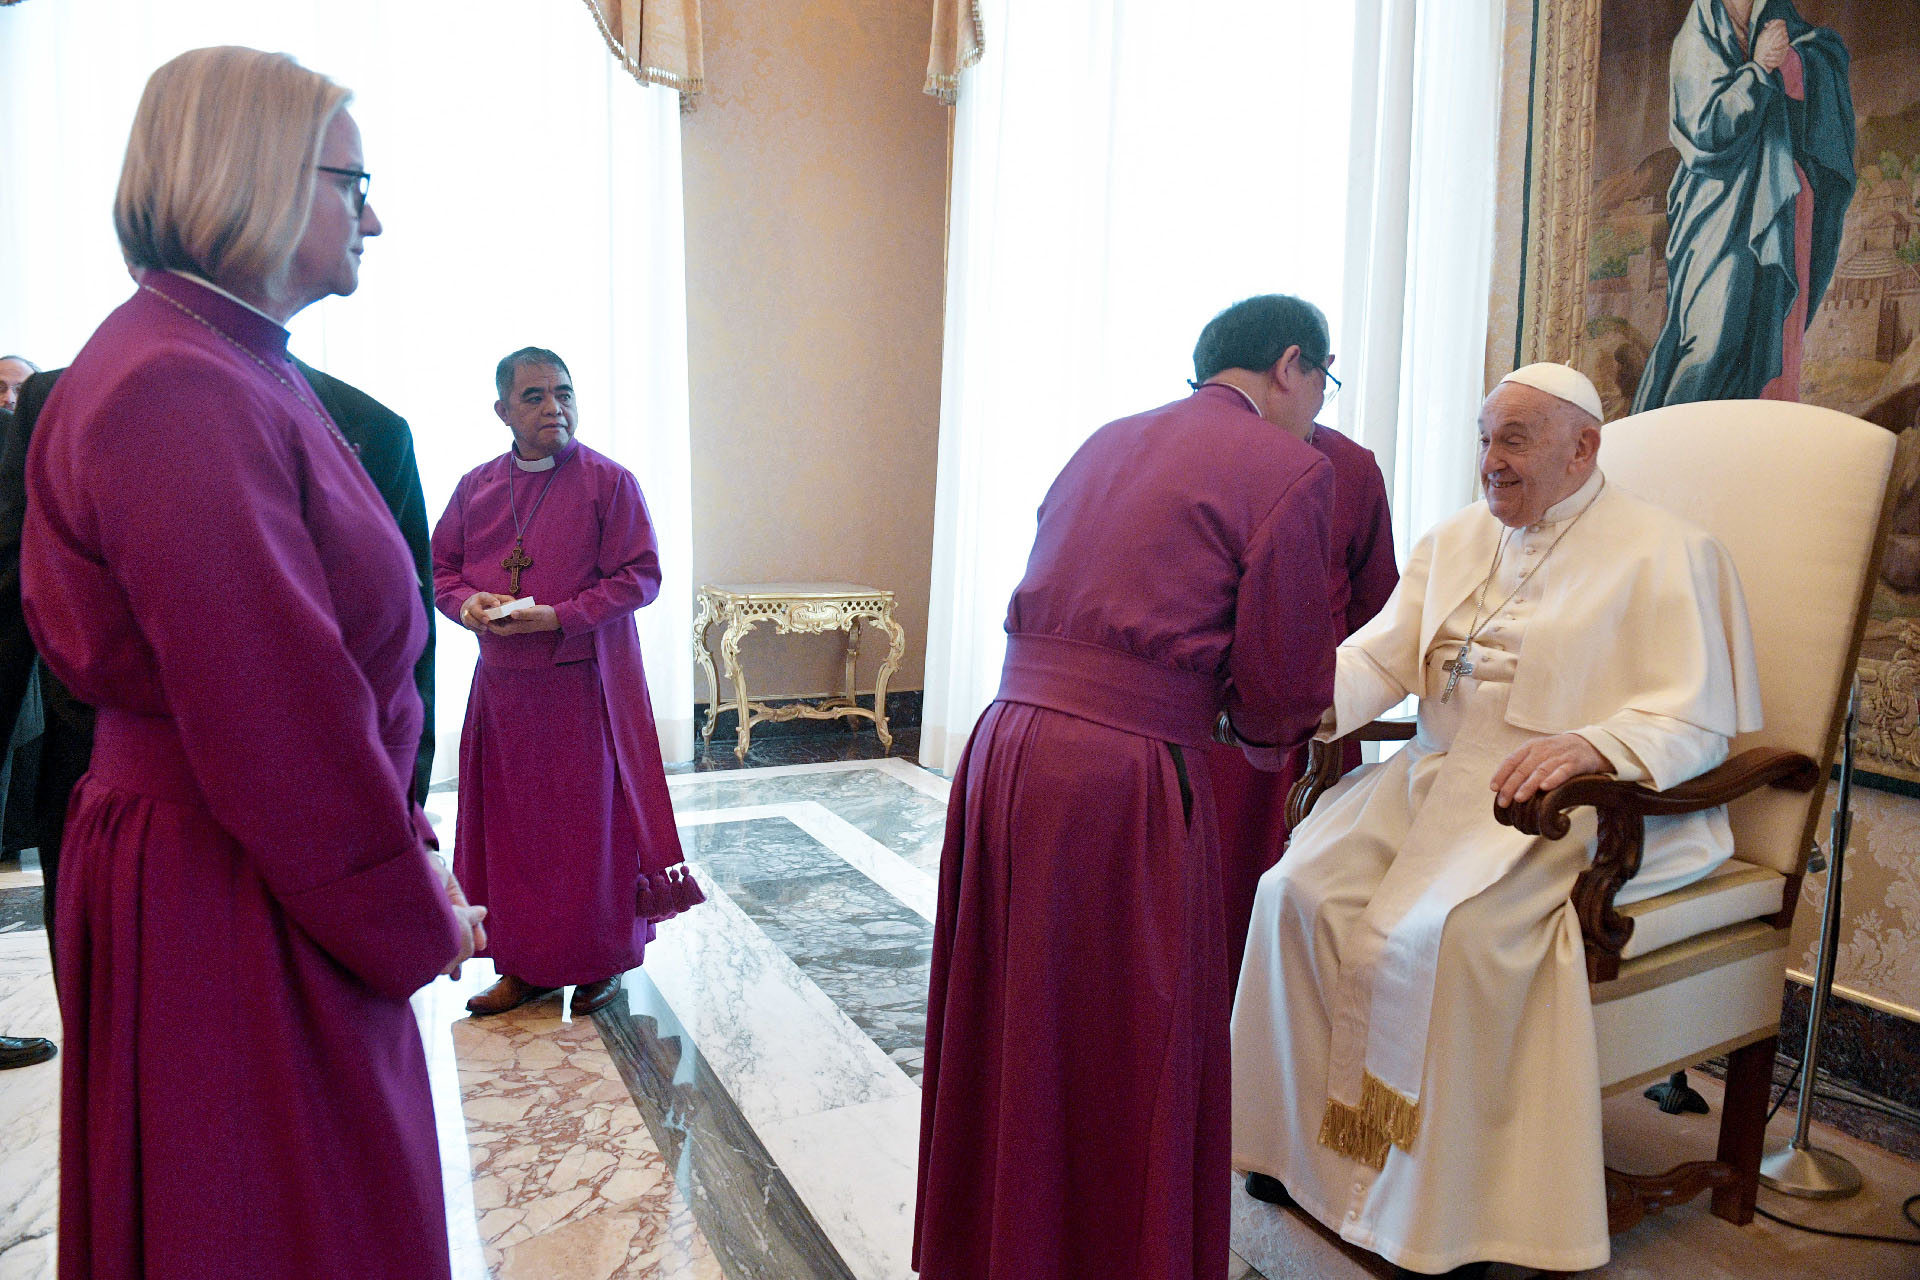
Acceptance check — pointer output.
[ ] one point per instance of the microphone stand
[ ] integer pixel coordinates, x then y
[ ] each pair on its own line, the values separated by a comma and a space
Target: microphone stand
1798, 1168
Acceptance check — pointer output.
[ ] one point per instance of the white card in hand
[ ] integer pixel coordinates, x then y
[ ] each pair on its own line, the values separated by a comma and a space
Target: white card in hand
512, 606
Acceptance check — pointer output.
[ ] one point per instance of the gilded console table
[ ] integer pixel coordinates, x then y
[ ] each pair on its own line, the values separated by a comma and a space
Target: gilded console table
806, 607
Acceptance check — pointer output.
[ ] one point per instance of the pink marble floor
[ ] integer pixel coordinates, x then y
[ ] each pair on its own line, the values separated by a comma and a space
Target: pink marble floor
561, 1178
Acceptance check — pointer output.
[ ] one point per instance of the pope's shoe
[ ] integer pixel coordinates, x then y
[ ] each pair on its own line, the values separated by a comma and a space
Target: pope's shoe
508, 993
1267, 1189
594, 995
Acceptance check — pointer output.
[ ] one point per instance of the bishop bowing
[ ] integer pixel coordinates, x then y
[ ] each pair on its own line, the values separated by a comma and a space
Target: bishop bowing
1074, 1107
1413, 1046
1251, 802
565, 829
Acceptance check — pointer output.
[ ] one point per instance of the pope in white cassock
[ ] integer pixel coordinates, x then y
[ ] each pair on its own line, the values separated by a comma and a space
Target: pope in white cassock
1413, 1045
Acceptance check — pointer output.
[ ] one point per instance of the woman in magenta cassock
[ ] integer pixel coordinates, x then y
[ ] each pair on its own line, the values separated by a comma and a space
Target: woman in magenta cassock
1074, 1118
247, 899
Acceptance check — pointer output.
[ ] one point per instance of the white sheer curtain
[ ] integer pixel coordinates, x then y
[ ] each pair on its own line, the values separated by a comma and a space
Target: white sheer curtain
1420, 206
531, 195
1107, 201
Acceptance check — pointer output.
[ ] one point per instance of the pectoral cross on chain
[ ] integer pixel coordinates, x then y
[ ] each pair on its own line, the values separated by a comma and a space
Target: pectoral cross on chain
517, 560
1455, 667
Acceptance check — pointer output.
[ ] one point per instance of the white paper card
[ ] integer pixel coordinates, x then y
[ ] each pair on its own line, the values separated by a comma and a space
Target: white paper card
512, 606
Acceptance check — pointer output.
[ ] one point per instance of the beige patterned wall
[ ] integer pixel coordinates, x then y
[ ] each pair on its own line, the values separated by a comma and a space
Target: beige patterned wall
815, 203
1879, 955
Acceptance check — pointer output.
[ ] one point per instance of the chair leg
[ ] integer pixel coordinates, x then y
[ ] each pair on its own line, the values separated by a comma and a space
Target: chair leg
1743, 1128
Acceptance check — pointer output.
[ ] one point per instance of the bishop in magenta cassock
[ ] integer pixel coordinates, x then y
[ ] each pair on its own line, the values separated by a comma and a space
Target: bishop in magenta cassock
1251, 803
565, 829
1074, 1108
247, 900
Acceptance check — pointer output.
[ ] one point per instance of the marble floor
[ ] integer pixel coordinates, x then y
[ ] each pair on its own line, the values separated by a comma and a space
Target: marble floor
749, 1107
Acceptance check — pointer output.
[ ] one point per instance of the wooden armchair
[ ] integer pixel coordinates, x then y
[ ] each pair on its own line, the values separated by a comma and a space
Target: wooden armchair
1797, 494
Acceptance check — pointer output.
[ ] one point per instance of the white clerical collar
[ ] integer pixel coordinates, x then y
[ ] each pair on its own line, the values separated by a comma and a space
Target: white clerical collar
205, 283
547, 463
1237, 391
1574, 503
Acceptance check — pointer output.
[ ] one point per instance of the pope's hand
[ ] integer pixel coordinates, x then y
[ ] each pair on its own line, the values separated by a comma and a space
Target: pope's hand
1770, 50
471, 613
1544, 764
539, 617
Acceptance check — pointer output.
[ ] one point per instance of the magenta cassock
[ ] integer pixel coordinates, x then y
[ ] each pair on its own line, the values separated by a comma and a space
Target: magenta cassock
1074, 1117
246, 900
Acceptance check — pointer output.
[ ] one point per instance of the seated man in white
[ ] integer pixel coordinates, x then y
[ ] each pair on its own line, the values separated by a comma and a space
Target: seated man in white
1413, 1046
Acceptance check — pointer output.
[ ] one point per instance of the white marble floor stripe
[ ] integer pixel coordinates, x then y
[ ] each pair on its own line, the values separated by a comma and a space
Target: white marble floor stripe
911, 886
807, 1079
30, 1103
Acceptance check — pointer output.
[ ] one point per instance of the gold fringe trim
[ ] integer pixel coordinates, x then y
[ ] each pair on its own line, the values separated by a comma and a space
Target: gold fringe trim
944, 83
686, 85
1383, 1119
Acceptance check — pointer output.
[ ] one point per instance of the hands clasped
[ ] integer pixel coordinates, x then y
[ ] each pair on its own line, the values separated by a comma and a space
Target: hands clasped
541, 617
1543, 764
1770, 49
473, 934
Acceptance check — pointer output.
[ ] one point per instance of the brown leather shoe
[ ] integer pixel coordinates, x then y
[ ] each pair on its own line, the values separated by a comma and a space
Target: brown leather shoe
594, 995
24, 1051
508, 993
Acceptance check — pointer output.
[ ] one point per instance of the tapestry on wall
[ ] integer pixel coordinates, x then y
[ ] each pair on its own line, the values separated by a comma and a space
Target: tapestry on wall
1753, 230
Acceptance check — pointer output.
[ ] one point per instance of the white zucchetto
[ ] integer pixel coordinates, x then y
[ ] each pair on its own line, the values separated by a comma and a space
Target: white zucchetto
1563, 382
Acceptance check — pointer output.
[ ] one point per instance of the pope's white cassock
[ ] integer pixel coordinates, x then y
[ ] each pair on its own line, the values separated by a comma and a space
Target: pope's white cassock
1413, 1045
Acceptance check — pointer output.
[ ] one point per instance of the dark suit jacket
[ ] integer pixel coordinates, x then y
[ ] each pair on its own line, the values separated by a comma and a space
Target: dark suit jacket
386, 449
68, 744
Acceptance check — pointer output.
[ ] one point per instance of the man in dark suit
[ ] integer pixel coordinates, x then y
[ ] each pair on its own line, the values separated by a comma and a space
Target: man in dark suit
385, 447
18, 1051
386, 451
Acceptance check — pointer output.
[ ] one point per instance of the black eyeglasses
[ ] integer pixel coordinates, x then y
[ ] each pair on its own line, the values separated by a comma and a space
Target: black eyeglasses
361, 181
1326, 369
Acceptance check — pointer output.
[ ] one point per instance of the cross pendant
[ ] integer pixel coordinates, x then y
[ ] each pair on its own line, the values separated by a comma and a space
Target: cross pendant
517, 560
1455, 667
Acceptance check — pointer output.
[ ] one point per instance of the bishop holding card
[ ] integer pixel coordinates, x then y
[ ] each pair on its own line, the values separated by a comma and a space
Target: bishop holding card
575, 869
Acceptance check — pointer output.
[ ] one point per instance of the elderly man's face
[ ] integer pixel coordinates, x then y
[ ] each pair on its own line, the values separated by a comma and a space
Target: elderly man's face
12, 374
539, 410
1533, 452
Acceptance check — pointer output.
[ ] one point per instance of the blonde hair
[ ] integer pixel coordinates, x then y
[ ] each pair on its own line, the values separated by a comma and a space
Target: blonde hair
219, 174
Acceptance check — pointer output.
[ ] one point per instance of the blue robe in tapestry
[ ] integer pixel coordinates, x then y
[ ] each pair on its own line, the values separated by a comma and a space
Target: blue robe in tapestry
1730, 211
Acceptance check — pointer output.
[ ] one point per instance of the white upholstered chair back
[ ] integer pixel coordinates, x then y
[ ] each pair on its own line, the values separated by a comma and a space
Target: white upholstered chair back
1794, 492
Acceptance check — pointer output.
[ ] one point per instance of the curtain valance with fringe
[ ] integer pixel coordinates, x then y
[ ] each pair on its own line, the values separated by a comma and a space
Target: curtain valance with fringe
657, 41
957, 41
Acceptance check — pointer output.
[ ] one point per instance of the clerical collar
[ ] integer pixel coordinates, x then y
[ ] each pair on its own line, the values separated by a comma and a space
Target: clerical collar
1237, 391
542, 464
1574, 503
205, 283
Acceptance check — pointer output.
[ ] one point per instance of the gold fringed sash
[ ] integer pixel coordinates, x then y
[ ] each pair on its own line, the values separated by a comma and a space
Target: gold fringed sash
957, 42
657, 42
1383, 1119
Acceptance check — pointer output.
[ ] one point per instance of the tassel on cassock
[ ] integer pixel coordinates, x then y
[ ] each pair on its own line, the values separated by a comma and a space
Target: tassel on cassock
663, 895
1383, 1119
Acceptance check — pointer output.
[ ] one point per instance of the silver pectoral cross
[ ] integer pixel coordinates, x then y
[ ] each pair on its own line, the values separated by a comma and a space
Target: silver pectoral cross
1455, 667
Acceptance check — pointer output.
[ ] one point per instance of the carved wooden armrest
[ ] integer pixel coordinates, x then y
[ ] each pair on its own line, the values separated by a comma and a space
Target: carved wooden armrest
1622, 808
1323, 764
